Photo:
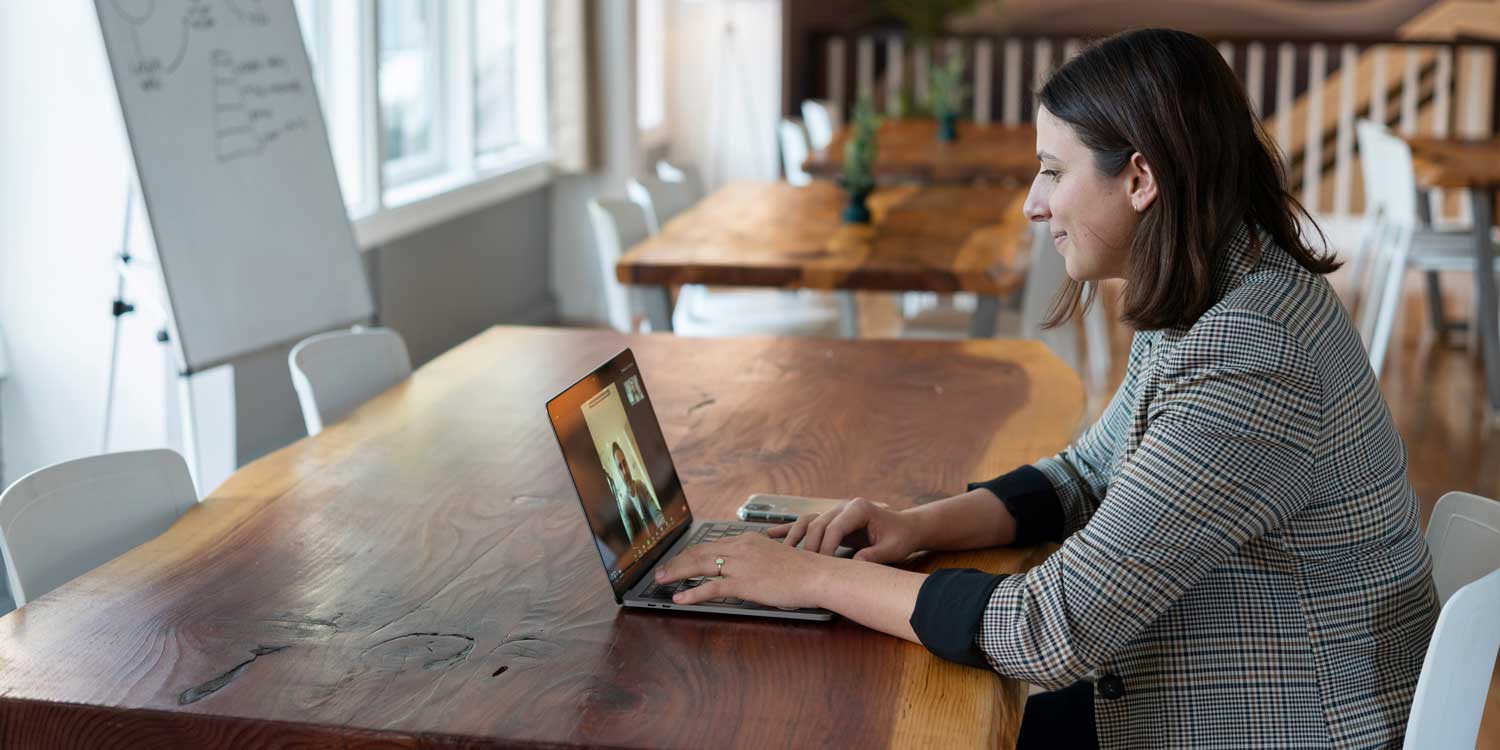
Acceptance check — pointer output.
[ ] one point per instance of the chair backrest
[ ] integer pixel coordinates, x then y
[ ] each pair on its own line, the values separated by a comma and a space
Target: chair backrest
334, 373
62, 521
822, 121
683, 173
1450, 696
1463, 536
617, 226
1389, 179
794, 151
1391, 218
660, 199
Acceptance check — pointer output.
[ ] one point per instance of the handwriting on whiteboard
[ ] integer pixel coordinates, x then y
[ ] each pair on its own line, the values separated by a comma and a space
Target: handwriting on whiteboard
249, 93
246, 95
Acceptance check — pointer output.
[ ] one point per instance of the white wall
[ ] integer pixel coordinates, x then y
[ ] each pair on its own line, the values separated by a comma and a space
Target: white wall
63, 177
725, 89
577, 278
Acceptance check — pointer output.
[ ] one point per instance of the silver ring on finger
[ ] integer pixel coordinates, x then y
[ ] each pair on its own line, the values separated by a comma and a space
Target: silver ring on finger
719, 561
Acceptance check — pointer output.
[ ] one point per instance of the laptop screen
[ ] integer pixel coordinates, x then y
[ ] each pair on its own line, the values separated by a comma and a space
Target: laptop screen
625, 479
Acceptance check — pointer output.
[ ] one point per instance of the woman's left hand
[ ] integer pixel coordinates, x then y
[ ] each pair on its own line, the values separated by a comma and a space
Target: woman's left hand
756, 569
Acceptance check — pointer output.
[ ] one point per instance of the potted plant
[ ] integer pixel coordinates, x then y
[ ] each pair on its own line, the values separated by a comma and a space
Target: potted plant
928, 20
859, 162
947, 93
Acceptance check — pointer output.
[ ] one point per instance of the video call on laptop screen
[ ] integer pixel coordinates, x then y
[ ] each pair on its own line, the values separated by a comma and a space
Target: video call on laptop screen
618, 458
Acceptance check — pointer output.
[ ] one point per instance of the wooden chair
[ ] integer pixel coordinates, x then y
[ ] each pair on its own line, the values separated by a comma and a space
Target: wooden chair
64, 520
334, 373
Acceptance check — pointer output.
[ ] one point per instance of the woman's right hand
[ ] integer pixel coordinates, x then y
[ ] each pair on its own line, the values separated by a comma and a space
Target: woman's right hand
893, 535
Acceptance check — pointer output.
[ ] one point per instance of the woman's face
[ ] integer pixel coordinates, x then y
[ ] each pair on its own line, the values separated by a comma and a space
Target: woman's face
1092, 216
622, 465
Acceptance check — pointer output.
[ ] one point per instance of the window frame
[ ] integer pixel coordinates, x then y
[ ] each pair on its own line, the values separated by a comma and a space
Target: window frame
437, 158
454, 179
658, 133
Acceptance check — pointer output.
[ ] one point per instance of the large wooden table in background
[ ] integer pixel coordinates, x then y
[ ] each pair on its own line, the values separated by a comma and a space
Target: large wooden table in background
772, 234
1473, 165
910, 150
420, 574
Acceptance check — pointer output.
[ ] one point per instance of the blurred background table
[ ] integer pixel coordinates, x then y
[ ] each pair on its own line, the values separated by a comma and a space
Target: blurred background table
768, 234
1473, 165
910, 150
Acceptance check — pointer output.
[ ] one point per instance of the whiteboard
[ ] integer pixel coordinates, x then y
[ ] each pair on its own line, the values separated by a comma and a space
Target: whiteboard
231, 154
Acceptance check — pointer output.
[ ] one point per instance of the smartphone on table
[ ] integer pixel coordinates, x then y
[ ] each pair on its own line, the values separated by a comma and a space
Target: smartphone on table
764, 508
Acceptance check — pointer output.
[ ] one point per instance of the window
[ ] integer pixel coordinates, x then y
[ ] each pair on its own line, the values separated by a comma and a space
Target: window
495, 74
509, 80
458, 89
411, 90
336, 74
651, 67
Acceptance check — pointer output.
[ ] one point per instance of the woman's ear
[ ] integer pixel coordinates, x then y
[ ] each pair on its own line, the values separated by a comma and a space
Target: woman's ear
1142, 187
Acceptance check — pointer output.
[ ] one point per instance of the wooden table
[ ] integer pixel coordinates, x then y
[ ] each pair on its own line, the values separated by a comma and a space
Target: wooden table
420, 574
910, 150
1473, 165
772, 234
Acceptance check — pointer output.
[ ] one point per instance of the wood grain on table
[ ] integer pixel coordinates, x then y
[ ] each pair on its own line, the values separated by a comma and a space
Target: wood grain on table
1456, 162
420, 574
772, 234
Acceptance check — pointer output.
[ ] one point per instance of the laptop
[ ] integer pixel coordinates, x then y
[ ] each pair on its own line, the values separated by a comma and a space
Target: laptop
631, 496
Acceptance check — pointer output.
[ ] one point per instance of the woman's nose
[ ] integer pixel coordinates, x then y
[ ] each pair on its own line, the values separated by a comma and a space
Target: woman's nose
1035, 207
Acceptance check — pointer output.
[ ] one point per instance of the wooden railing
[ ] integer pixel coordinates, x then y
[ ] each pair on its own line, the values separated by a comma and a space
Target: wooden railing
1308, 92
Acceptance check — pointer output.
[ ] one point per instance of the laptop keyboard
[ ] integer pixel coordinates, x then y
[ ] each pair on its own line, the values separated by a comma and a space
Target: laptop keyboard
709, 532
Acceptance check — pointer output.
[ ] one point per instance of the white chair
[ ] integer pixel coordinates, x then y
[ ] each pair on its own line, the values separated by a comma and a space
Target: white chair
62, 521
334, 373
822, 120
618, 225
682, 173
1046, 272
794, 152
660, 199
1463, 536
701, 311
1394, 239
1449, 701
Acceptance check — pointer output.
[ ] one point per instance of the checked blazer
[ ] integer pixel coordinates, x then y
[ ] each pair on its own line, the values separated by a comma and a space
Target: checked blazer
1242, 563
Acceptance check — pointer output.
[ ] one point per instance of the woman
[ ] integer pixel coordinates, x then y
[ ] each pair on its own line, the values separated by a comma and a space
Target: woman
1241, 561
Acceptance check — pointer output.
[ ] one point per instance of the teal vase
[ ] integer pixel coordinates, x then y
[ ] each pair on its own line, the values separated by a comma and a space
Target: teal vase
948, 127
858, 211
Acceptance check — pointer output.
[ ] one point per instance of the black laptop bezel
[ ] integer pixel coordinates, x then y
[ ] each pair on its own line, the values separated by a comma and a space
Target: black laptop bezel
639, 568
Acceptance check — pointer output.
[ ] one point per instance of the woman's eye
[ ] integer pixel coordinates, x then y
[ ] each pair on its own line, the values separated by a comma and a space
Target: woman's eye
1052, 173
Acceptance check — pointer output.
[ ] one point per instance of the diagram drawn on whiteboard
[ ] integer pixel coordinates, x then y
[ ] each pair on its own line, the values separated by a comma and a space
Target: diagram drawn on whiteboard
245, 96
247, 91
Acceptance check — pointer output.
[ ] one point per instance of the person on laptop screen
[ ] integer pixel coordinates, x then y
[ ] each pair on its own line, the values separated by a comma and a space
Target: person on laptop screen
1241, 560
638, 506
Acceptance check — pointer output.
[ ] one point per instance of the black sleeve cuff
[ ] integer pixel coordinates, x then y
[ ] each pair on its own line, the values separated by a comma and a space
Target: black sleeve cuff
950, 608
1032, 501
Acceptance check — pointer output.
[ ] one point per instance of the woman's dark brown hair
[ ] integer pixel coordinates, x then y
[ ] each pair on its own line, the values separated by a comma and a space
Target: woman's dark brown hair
1169, 96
